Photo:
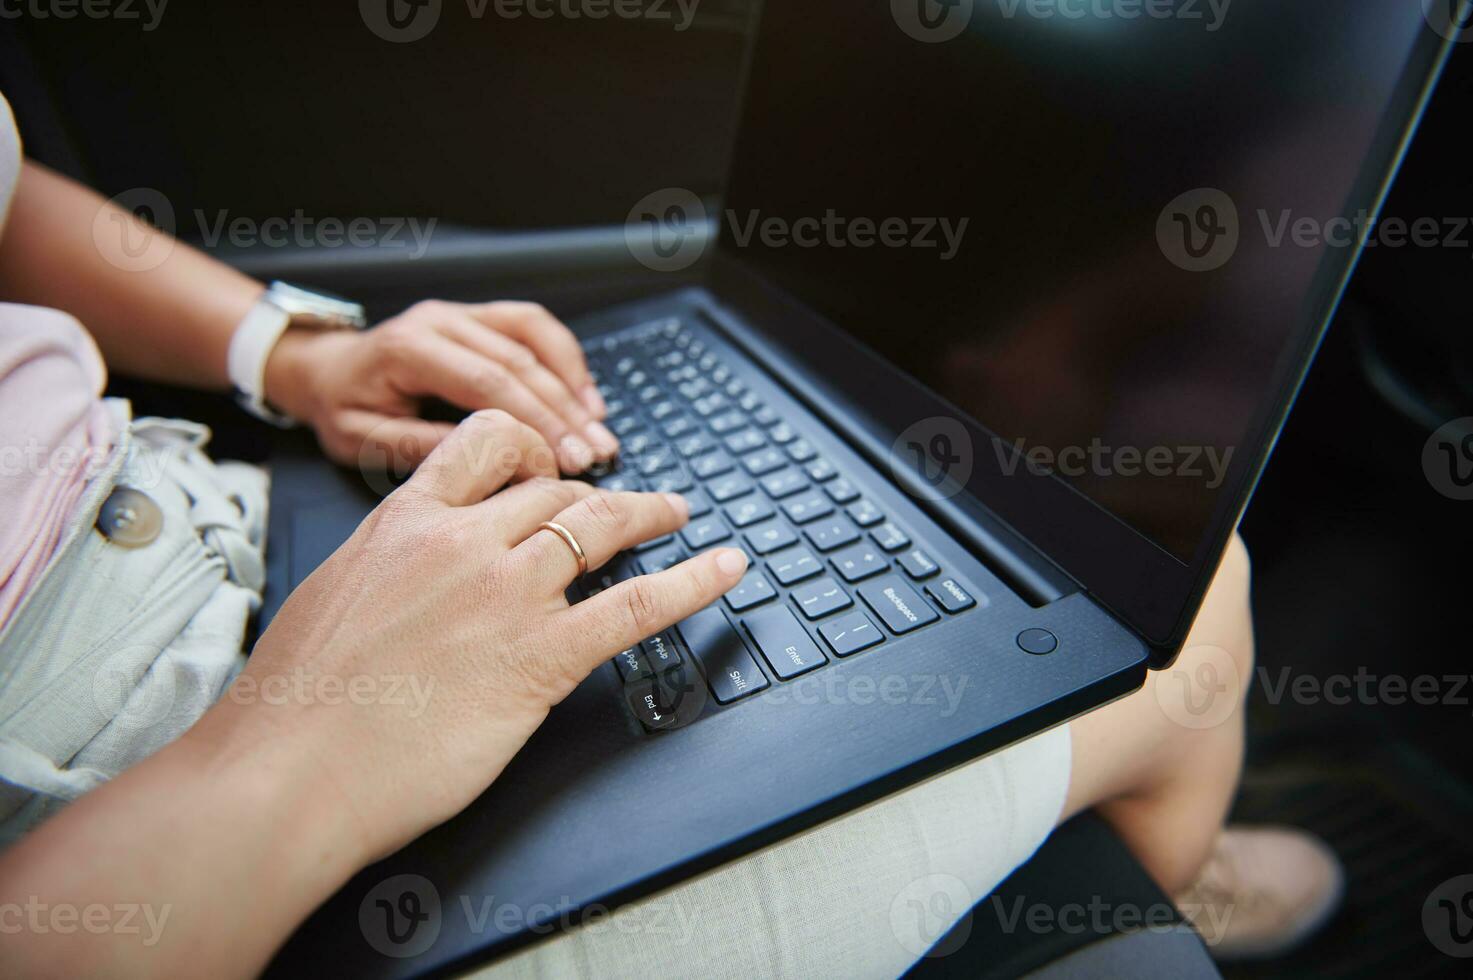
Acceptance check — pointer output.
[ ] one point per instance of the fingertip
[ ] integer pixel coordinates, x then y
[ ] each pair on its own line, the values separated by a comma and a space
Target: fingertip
732, 562
680, 505
594, 401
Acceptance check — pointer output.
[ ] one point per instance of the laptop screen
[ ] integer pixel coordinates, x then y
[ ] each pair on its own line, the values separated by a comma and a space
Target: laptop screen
1091, 227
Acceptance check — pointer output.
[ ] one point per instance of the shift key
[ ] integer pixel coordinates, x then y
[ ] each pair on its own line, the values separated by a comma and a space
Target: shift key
784, 642
730, 669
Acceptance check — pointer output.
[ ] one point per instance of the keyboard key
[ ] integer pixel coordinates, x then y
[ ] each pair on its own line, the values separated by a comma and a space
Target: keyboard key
917, 563
665, 701
831, 533
619, 483
729, 487
679, 426
890, 537
700, 505
710, 405
794, 565
820, 470
782, 434
607, 577
654, 543
767, 538
729, 668
789, 649
660, 411
860, 562
745, 441
752, 590
704, 533
625, 426
841, 491
765, 416
656, 460
661, 653
865, 513
765, 461
809, 507
897, 604
695, 445
661, 559
727, 422
850, 633
949, 595
749, 511
633, 665
783, 483
821, 598
750, 403
707, 467
801, 451
673, 481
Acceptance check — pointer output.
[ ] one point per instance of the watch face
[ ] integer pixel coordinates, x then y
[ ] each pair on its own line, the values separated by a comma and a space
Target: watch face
301, 302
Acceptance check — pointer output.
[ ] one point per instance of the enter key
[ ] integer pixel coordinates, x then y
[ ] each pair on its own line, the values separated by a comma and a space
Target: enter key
784, 642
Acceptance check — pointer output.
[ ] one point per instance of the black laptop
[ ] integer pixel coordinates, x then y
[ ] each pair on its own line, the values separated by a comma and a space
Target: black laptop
1005, 307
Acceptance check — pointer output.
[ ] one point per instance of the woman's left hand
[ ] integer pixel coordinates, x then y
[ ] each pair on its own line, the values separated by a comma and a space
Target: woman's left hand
362, 391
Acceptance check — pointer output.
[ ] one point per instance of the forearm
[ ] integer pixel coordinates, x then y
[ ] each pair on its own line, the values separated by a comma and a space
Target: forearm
157, 312
219, 846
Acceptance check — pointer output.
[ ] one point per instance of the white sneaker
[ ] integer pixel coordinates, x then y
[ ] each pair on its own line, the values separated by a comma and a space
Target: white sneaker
1264, 891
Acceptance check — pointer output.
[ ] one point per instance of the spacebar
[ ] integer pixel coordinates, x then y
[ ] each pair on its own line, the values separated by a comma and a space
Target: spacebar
729, 668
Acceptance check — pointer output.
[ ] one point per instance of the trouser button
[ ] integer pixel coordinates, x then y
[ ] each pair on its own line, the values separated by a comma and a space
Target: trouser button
130, 518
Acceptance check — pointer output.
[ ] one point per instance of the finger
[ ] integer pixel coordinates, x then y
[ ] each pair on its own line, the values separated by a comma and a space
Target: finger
483, 454
634, 610
522, 361
516, 511
436, 365
552, 342
381, 442
603, 524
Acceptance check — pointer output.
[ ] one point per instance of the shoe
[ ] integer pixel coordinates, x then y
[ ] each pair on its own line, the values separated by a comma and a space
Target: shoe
1264, 891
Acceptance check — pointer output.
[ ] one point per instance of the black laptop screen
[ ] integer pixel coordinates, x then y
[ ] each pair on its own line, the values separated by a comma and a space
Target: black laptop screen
1089, 225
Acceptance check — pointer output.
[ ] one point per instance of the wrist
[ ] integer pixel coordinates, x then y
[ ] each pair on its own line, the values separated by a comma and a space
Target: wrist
289, 380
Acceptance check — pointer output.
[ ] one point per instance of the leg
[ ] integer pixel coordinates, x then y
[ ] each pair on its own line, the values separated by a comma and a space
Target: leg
1162, 765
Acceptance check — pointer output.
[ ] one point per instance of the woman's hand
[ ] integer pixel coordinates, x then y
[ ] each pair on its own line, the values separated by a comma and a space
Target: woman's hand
461, 597
358, 389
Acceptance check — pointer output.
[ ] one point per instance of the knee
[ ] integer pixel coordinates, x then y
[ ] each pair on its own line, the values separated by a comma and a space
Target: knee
1226, 617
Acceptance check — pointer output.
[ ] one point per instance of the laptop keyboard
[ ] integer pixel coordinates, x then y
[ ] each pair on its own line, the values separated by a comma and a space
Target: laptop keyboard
831, 573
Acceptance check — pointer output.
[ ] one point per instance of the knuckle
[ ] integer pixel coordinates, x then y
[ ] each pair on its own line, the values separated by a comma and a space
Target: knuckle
520, 358
427, 309
642, 605
492, 420
602, 511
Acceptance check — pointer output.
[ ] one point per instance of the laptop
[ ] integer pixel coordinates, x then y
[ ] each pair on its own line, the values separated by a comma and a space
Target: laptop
1005, 308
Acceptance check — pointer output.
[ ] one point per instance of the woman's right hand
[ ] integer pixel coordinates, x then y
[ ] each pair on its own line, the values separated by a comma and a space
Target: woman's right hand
450, 587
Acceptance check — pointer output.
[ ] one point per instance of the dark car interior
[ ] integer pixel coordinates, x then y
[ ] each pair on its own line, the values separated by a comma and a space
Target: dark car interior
528, 141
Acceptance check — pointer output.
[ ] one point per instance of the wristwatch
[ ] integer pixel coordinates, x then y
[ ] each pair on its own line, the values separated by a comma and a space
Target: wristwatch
281, 306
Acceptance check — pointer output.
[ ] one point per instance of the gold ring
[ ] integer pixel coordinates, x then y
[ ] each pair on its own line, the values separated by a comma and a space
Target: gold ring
572, 542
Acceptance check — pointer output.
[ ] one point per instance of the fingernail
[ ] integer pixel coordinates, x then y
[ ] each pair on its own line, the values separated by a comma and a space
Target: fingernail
681, 505
731, 561
577, 455
603, 440
594, 400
